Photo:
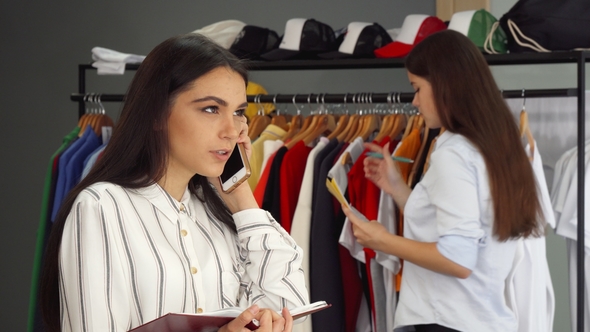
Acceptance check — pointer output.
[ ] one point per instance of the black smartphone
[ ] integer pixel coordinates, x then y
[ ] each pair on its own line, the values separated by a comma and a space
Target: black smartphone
236, 170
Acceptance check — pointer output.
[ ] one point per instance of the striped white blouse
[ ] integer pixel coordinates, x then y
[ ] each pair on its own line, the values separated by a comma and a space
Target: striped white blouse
131, 255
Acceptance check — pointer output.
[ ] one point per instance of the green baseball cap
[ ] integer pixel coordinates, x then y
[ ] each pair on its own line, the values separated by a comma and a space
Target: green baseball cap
477, 25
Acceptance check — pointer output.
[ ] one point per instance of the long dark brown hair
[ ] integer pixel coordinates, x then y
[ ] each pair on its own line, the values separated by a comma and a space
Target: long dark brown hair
469, 103
136, 155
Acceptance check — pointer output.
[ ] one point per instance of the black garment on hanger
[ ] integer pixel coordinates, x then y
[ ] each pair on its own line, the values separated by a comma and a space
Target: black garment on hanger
272, 192
325, 270
432, 133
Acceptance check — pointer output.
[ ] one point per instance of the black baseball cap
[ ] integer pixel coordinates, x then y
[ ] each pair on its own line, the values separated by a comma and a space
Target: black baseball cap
254, 41
303, 39
360, 41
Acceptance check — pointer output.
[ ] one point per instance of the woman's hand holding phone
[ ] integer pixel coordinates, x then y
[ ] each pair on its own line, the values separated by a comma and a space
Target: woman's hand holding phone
237, 194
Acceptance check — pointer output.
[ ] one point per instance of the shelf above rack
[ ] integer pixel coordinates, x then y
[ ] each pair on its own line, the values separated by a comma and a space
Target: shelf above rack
492, 59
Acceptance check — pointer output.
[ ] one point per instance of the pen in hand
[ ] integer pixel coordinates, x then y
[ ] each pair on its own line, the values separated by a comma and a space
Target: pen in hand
380, 156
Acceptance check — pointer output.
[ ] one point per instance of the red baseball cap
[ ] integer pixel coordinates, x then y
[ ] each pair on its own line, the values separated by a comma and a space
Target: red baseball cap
415, 28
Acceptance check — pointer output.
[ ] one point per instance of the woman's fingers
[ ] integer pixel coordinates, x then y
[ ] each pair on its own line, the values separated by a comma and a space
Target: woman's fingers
288, 320
238, 324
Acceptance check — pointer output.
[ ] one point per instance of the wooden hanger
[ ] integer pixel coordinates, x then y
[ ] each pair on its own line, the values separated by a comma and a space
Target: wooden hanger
340, 127
259, 122
294, 127
86, 117
372, 124
524, 128
279, 120
96, 118
398, 126
386, 127
347, 135
409, 126
388, 121
326, 124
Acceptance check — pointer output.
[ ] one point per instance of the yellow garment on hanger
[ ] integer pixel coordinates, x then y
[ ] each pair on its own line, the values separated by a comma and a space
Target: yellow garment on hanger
271, 132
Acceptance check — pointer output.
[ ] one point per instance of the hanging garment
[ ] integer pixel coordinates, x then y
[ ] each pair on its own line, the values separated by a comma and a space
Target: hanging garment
325, 269
364, 196
91, 160
271, 132
532, 296
34, 320
564, 197
357, 311
272, 192
70, 166
290, 178
270, 149
300, 226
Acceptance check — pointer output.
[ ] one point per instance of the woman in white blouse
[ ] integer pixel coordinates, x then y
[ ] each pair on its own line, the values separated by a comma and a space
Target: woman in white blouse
477, 196
149, 231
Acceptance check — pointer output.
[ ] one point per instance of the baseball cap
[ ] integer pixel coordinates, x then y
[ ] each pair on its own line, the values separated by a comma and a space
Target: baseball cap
360, 41
303, 38
415, 28
254, 41
223, 32
477, 25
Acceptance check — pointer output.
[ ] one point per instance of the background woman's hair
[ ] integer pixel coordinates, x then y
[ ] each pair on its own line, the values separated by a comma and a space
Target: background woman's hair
136, 155
469, 103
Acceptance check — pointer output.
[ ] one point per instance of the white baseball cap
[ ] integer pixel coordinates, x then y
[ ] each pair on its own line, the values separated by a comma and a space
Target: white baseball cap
223, 32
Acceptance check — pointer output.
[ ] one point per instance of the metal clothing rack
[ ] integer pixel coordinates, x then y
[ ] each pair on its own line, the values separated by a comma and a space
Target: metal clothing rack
573, 57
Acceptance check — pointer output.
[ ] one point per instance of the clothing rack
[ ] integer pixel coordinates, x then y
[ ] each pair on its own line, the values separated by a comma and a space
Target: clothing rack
573, 57
345, 98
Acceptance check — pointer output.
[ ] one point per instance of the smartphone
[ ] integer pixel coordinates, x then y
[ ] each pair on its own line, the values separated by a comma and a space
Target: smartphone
236, 170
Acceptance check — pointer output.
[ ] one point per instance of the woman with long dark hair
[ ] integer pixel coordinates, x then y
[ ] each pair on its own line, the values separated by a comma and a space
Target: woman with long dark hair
478, 196
148, 231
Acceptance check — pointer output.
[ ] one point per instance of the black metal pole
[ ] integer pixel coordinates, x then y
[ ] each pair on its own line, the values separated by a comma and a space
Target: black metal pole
81, 89
581, 170
350, 98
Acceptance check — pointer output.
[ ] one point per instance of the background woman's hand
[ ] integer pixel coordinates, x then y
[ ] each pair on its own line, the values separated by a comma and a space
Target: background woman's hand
368, 234
384, 173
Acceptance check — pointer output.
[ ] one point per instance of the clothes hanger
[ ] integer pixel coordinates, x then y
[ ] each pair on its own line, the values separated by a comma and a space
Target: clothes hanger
326, 123
296, 122
320, 124
361, 119
524, 128
306, 129
409, 125
400, 120
103, 120
259, 124
341, 123
279, 120
89, 115
351, 127
372, 123
387, 122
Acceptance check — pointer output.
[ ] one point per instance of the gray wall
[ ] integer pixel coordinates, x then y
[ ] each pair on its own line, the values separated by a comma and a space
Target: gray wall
42, 44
